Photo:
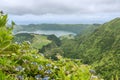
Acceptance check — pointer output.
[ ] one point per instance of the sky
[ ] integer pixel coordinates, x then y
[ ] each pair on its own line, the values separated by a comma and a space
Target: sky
60, 11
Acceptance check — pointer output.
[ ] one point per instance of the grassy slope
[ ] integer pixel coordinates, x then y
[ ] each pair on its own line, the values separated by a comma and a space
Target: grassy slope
37, 41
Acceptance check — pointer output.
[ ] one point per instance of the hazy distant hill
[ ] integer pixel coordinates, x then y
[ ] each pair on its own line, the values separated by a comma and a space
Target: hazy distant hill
75, 28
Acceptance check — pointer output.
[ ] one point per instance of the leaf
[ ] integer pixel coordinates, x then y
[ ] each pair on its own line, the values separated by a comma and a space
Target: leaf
4, 45
3, 20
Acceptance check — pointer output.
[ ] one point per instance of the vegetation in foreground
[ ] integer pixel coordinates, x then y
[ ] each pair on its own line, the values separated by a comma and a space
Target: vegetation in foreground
99, 48
19, 61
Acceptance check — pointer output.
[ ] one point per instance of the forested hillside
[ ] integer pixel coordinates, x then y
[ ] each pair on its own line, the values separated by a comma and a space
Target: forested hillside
96, 46
20, 61
101, 48
104, 40
92, 55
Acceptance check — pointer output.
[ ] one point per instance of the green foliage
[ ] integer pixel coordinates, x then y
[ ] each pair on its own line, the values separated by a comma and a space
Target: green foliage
21, 37
31, 65
22, 62
3, 20
2, 76
100, 48
5, 33
68, 47
109, 66
54, 39
37, 41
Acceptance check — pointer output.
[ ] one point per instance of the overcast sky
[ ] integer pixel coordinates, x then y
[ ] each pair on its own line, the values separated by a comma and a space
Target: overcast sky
61, 11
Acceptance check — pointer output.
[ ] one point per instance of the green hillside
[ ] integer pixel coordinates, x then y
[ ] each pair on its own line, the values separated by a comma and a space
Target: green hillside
93, 55
101, 48
20, 61
103, 40
37, 41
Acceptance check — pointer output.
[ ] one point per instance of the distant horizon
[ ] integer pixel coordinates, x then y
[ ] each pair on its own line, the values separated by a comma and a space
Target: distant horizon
37, 23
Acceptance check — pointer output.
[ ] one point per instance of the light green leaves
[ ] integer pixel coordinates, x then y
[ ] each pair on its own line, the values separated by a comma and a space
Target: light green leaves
3, 20
5, 33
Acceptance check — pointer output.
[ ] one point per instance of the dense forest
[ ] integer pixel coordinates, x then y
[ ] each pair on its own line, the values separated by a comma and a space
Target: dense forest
92, 54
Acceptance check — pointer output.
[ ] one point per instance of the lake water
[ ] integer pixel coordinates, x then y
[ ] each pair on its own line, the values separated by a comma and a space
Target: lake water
58, 33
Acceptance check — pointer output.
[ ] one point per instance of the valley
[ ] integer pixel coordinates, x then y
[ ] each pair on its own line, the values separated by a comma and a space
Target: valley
90, 54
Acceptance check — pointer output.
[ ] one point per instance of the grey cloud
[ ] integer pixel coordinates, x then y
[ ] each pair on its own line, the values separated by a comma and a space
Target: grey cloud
41, 7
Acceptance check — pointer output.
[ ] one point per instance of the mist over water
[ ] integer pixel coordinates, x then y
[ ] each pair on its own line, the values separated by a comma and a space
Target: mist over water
58, 33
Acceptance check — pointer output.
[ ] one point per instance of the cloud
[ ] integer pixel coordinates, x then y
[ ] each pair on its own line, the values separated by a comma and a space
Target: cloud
60, 7
60, 11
